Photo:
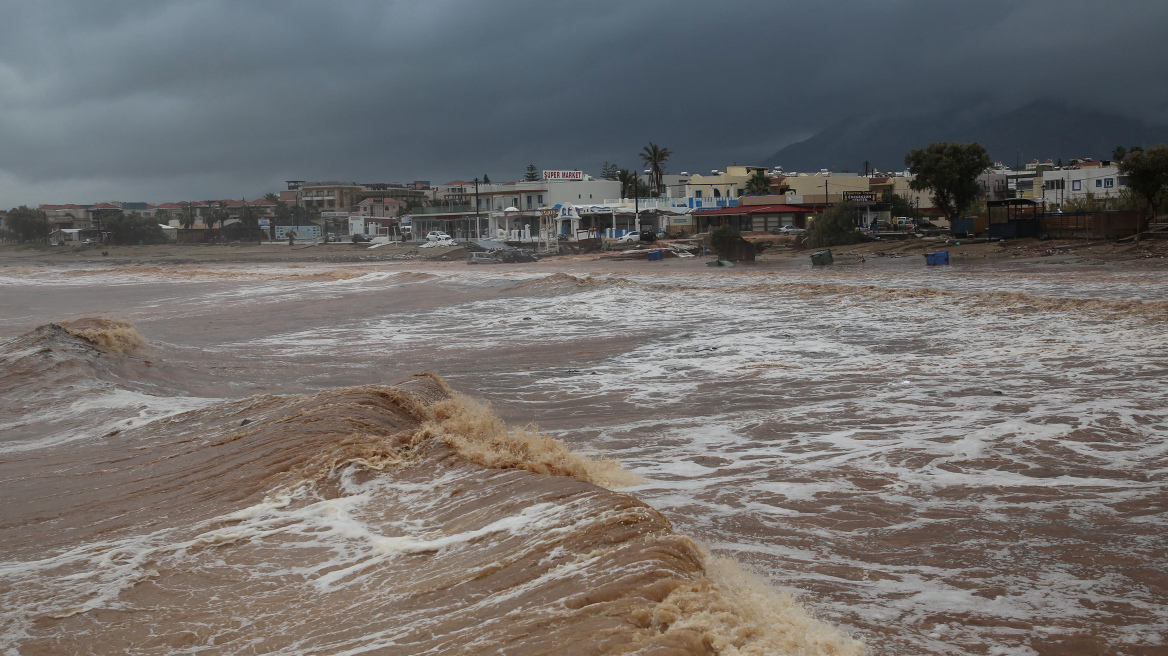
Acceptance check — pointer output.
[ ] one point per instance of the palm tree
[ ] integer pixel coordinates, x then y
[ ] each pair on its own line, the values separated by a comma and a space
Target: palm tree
625, 178
220, 214
758, 184
250, 217
187, 218
655, 157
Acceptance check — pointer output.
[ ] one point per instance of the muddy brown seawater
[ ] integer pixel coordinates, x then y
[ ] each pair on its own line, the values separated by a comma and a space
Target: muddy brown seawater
231, 459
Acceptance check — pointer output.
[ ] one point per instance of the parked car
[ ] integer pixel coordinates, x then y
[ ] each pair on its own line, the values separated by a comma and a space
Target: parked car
648, 236
482, 257
360, 237
629, 238
519, 255
791, 230
437, 235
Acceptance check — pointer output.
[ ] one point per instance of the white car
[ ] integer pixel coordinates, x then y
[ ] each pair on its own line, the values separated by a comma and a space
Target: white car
629, 238
437, 235
791, 230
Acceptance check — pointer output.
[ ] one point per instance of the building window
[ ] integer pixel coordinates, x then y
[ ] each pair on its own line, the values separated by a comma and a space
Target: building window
1109, 183
529, 202
741, 192
1098, 183
717, 194
697, 193
1077, 185
541, 199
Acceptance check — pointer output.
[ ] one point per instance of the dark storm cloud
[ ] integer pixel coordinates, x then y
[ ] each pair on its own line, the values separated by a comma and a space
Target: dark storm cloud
190, 99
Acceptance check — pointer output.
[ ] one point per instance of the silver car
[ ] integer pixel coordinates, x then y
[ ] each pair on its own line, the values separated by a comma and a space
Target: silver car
482, 258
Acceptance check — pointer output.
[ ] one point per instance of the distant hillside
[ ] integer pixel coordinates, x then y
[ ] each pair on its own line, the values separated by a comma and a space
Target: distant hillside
1042, 130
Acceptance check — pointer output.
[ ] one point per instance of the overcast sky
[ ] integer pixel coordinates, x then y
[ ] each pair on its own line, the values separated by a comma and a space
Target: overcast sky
190, 99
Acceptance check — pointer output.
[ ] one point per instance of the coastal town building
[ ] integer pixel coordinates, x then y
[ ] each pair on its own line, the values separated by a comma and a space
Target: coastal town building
1059, 186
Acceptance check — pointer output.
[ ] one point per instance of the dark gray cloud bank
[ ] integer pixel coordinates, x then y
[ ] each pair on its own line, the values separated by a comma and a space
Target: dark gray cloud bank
161, 100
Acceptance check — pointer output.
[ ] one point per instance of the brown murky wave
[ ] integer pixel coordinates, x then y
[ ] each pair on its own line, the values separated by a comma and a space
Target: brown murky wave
391, 519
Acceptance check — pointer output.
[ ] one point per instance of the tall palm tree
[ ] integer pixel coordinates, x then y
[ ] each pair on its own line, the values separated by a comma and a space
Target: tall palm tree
625, 178
250, 217
655, 157
220, 214
187, 218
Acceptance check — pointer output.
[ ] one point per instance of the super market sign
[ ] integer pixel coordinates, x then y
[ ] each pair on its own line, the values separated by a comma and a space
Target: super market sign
563, 175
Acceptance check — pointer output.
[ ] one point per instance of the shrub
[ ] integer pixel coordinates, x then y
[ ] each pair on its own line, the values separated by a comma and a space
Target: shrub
836, 227
721, 238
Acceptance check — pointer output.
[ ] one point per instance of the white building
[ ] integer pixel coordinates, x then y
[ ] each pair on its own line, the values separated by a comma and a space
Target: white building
1061, 185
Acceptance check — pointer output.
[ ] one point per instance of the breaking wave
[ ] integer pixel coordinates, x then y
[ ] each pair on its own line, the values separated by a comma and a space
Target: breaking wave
113, 334
396, 519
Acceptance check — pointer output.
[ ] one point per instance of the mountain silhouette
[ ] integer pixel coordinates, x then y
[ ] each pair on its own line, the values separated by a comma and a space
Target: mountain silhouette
1044, 129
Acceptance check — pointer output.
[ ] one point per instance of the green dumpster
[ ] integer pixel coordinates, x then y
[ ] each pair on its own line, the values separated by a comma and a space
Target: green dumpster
821, 257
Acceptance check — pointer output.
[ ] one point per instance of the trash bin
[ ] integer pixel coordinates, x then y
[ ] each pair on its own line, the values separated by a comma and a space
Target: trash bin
938, 258
821, 257
655, 255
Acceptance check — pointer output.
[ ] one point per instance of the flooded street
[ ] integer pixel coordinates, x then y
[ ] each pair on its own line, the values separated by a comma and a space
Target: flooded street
956, 461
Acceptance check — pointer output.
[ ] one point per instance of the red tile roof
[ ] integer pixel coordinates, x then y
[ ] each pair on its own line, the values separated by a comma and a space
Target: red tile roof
262, 202
105, 206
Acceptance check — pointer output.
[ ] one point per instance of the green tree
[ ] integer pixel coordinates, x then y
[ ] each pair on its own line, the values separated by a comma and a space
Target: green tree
133, 228
187, 217
609, 171
1118, 153
282, 213
220, 214
896, 204
758, 184
29, 224
161, 216
486, 179
1147, 175
625, 178
835, 227
949, 172
654, 157
249, 216
532, 174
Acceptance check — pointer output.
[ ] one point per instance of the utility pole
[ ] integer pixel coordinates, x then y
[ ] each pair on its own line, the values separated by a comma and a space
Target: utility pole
865, 168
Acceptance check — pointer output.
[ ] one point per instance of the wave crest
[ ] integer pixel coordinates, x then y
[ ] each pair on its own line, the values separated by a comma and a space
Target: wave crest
111, 334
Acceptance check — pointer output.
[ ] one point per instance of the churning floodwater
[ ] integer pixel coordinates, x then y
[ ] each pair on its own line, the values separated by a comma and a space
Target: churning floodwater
958, 461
